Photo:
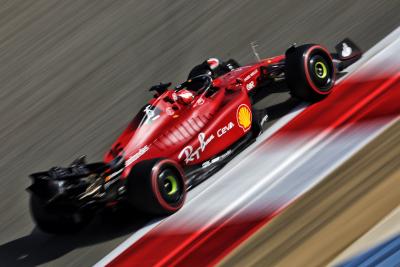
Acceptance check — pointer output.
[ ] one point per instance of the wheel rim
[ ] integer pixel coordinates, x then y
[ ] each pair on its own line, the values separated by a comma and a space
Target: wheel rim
321, 72
170, 186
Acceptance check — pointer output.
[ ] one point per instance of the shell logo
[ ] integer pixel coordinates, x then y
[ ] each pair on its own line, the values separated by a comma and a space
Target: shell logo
244, 117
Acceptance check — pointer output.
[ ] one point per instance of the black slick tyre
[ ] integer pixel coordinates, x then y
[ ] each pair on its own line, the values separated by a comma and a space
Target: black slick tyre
157, 186
310, 73
54, 222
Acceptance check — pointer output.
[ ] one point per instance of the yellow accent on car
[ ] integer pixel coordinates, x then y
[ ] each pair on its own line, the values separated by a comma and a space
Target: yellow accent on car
244, 117
174, 185
318, 66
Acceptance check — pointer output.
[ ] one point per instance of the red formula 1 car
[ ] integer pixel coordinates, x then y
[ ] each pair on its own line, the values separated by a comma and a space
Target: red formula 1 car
181, 137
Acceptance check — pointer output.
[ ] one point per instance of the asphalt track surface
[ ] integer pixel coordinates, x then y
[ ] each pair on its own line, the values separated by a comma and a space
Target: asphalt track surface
73, 73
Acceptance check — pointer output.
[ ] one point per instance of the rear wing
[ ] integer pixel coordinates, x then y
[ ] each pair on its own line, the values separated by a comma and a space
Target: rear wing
72, 181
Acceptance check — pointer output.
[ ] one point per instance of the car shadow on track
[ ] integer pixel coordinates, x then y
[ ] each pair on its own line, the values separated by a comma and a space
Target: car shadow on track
40, 248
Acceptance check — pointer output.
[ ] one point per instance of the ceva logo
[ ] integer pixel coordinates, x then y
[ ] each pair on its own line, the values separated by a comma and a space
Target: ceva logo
225, 129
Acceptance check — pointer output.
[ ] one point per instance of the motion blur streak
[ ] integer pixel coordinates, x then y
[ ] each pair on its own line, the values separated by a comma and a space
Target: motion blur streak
253, 189
333, 214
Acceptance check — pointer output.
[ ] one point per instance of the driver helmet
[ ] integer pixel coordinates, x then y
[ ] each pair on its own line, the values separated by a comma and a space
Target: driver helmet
213, 63
184, 96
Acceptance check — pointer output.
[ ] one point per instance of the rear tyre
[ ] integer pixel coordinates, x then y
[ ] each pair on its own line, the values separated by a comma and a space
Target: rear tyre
310, 73
157, 186
55, 223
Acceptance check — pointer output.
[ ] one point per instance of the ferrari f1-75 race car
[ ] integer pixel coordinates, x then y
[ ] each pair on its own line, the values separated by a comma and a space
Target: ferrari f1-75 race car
181, 137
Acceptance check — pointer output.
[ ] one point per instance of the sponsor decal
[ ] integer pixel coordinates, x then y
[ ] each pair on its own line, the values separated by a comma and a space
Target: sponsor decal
250, 85
170, 111
191, 154
225, 129
244, 117
214, 160
135, 157
151, 114
252, 74
346, 50
264, 120
186, 95
199, 101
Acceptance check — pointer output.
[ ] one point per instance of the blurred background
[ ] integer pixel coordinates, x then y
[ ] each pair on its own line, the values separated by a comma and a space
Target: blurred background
73, 73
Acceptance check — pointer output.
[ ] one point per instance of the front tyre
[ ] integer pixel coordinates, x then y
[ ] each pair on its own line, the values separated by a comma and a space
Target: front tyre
53, 222
157, 186
310, 73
